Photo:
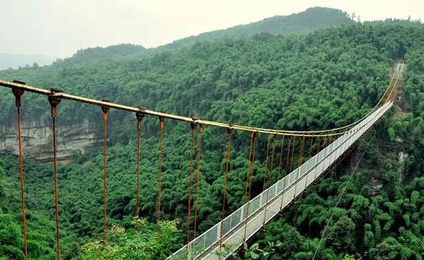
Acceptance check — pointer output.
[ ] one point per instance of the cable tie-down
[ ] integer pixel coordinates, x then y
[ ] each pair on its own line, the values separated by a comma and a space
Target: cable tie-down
18, 93
54, 102
140, 114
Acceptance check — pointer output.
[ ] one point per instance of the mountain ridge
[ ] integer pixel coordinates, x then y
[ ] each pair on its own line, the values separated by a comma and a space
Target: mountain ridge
303, 22
306, 21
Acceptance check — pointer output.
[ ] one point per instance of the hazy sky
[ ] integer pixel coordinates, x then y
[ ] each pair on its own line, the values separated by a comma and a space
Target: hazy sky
59, 28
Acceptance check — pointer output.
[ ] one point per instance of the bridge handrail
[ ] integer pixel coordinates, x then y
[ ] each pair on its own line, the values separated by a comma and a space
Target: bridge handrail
316, 165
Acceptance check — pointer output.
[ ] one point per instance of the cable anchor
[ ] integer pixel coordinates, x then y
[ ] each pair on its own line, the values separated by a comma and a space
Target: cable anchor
18, 93
140, 114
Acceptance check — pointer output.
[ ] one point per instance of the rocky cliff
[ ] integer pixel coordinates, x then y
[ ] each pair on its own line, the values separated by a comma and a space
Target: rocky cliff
37, 140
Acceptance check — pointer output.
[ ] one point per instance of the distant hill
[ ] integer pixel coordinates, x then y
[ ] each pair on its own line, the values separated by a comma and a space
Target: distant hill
98, 53
303, 22
15, 61
102, 53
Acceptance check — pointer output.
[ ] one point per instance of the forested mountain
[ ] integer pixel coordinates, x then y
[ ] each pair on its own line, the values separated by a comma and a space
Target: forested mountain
318, 80
307, 21
108, 53
303, 22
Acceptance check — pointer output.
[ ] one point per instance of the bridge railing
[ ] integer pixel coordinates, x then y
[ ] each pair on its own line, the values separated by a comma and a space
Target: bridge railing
249, 218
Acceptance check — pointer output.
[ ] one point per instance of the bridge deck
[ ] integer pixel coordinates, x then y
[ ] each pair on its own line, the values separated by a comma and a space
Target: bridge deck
249, 218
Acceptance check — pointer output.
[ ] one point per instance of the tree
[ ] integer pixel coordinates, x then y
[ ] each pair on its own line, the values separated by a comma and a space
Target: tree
11, 241
145, 244
341, 236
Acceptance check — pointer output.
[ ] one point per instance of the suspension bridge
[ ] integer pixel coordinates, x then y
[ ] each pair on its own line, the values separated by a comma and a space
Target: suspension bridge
315, 157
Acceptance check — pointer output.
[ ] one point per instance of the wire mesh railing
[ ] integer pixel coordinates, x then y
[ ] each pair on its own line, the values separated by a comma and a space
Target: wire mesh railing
249, 218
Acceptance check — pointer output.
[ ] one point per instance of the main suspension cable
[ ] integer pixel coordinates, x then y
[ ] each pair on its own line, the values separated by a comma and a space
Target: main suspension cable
335, 131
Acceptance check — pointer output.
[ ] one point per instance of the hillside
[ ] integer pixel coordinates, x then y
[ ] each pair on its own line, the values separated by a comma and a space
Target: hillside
111, 53
307, 21
303, 22
319, 80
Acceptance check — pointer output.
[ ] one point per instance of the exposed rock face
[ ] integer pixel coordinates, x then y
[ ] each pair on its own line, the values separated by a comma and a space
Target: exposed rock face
402, 157
37, 142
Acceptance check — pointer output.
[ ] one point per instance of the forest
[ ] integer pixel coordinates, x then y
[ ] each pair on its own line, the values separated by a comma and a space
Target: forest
318, 80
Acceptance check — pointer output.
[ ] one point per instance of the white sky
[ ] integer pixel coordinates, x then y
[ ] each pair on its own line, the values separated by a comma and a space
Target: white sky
58, 28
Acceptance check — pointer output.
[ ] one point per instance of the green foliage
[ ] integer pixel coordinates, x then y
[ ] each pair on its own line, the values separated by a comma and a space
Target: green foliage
5, 187
145, 244
341, 236
324, 79
391, 133
10, 238
307, 21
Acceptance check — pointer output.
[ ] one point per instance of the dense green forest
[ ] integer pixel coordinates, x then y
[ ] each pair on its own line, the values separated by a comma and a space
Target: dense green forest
320, 80
307, 21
